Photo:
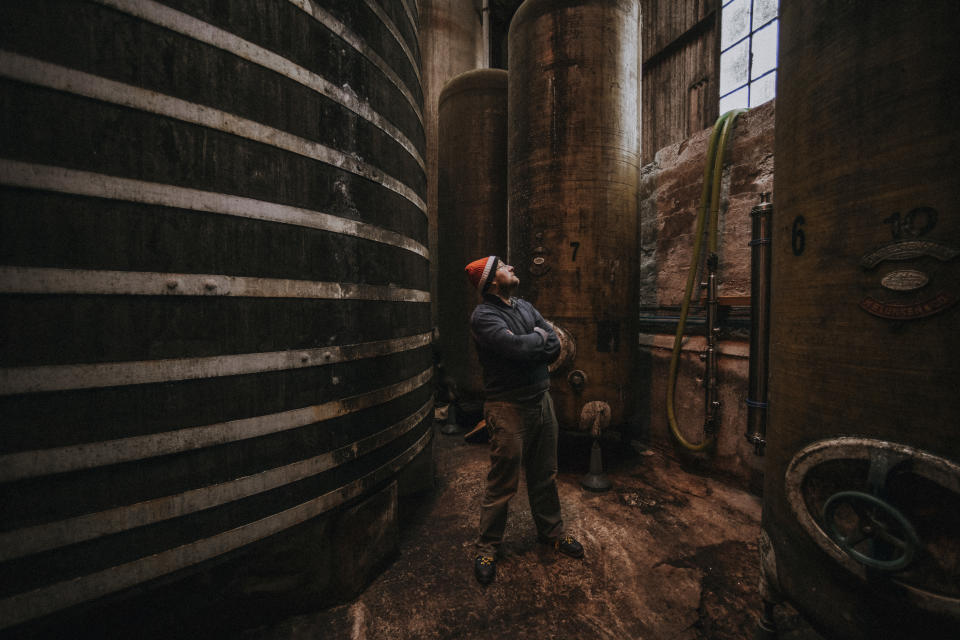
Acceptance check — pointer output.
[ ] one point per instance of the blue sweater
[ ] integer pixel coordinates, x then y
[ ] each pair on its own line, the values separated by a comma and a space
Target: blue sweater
513, 354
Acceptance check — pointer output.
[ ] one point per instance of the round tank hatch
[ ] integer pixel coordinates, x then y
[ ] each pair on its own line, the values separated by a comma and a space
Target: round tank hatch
884, 511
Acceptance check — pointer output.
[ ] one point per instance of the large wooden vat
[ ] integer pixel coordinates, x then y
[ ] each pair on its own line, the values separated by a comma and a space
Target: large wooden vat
472, 216
216, 324
573, 172
864, 342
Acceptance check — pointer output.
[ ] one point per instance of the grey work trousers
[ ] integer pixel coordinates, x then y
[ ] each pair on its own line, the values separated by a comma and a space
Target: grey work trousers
521, 434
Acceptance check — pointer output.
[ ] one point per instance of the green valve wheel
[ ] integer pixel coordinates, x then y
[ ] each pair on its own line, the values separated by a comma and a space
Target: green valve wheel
878, 521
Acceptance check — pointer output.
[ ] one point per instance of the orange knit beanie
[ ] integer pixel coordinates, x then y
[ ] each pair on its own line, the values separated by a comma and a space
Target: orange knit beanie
480, 272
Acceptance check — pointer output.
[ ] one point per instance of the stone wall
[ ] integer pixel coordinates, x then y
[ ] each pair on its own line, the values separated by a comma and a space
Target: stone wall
669, 198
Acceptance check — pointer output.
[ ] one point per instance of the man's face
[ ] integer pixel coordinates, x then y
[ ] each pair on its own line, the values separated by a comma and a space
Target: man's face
505, 278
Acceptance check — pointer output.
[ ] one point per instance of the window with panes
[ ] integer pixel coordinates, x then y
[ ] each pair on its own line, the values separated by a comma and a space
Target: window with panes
748, 53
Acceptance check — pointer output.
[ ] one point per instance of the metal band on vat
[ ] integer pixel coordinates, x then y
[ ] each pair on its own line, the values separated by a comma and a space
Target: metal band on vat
97, 185
388, 23
200, 31
410, 15
347, 35
29, 464
51, 535
32, 604
44, 280
51, 76
36, 379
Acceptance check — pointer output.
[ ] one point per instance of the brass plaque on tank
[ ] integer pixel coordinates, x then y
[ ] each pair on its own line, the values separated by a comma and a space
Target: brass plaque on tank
907, 250
922, 309
904, 280
901, 283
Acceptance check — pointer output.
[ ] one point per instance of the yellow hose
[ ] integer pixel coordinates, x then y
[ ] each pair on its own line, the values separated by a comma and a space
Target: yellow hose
710, 196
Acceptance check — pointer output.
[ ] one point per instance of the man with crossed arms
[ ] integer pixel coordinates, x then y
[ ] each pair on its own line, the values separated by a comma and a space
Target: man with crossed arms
515, 344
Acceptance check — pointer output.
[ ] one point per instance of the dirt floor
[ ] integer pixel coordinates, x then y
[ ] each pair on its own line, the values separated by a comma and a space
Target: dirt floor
669, 555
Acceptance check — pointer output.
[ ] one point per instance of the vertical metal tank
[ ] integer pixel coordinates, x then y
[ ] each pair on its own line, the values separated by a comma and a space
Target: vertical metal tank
472, 215
451, 39
216, 325
862, 485
573, 175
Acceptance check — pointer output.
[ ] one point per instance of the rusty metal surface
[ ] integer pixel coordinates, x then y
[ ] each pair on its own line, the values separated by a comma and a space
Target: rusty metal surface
472, 209
573, 160
863, 190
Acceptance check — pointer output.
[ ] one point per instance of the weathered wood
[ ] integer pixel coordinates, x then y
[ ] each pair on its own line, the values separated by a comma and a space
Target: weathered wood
665, 21
679, 82
215, 288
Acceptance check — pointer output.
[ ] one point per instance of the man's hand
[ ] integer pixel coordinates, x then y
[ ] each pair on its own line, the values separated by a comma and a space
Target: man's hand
543, 333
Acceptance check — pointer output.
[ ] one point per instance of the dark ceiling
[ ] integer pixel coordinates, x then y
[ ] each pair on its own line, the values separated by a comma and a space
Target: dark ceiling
501, 11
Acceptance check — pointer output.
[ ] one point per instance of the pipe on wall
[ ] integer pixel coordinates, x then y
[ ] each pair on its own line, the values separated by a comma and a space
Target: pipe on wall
759, 324
710, 197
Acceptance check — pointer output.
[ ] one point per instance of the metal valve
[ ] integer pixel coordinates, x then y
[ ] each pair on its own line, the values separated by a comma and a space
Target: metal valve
577, 380
886, 529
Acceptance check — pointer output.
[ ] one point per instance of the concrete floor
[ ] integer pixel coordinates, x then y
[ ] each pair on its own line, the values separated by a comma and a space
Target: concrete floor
669, 555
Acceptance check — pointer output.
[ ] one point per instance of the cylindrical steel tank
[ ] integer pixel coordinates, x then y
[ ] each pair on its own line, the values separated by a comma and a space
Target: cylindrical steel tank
451, 38
216, 325
472, 210
573, 172
862, 484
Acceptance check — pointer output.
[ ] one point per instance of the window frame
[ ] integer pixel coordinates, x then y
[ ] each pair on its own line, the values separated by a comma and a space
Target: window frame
748, 37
